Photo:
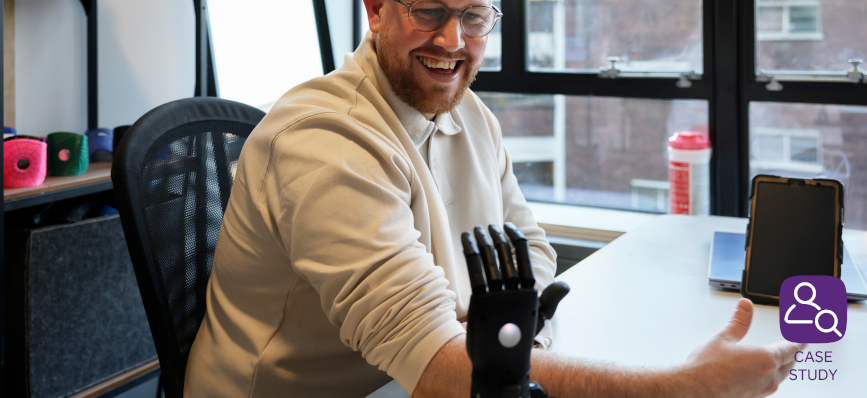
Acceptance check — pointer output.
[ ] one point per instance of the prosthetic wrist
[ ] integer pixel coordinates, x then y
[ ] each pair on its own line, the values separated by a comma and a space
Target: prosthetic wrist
505, 312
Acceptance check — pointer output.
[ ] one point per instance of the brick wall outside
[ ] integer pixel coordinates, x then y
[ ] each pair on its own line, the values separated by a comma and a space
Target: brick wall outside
610, 141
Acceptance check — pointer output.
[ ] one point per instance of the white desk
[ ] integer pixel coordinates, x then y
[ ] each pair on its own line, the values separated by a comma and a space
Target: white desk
644, 300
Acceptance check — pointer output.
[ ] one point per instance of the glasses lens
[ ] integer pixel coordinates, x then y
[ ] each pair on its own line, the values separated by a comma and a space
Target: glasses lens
478, 21
427, 16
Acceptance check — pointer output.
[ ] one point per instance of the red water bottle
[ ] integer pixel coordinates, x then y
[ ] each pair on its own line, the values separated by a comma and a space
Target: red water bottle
689, 173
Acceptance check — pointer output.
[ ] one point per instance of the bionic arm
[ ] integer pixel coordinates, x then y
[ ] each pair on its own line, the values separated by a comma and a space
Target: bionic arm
505, 312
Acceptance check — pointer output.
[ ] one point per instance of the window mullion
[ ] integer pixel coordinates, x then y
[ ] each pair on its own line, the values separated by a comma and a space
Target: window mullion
325, 48
589, 84
727, 114
514, 42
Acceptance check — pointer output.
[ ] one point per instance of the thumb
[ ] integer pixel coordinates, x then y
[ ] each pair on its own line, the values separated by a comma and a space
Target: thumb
737, 327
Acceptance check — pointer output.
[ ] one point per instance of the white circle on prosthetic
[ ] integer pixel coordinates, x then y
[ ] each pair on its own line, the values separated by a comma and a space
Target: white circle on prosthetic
510, 335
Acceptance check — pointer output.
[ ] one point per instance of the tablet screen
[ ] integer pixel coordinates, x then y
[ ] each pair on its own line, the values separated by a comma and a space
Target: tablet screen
793, 234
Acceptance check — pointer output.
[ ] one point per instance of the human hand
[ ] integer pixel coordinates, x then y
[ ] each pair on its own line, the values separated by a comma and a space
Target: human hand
505, 311
723, 368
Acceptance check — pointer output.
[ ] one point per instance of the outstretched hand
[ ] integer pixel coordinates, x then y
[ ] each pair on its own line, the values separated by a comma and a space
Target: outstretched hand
728, 369
505, 310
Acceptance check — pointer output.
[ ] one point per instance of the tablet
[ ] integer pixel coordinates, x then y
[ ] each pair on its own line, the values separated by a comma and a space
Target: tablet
795, 229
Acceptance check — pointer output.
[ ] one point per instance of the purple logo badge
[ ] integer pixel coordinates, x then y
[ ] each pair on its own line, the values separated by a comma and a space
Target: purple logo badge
813, 309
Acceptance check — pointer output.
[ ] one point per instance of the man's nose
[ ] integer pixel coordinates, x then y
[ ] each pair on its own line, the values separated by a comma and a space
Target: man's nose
450, 36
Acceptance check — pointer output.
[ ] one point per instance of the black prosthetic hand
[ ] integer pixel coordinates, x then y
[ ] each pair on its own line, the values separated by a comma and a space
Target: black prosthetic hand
505, 312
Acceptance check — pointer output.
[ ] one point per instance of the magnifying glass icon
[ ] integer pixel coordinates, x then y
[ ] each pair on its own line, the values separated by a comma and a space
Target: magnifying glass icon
832, 328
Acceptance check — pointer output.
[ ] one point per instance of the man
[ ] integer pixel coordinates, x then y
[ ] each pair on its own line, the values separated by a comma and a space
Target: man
338, 266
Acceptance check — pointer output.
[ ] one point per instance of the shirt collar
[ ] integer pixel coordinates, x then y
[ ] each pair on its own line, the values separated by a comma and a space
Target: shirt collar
415, 124
447, 124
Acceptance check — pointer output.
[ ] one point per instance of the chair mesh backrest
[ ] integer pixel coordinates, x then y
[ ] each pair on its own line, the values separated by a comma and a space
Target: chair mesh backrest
185, 183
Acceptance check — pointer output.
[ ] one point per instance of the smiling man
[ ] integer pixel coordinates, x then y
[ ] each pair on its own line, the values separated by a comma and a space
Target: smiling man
337, 266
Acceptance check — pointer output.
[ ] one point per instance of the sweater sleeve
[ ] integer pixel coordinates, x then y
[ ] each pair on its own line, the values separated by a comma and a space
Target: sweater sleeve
341, 201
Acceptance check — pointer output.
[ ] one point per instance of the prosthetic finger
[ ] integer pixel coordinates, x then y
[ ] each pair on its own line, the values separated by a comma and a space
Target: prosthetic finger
504, 253
522, 252
548, 302
474, 264
489, 261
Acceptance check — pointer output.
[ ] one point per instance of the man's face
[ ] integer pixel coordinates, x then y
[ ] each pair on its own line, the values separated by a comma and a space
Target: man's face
430, 71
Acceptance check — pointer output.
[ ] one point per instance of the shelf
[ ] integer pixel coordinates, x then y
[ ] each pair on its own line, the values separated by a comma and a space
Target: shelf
97, 178
128, 379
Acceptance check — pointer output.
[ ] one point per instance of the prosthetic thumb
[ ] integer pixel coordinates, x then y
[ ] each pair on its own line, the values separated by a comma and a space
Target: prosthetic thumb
548, 302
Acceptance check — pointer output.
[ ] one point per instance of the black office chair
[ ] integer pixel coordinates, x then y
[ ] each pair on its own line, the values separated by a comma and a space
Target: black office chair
172, 175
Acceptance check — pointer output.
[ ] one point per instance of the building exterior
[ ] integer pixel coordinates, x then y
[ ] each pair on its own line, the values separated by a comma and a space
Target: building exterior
611, 152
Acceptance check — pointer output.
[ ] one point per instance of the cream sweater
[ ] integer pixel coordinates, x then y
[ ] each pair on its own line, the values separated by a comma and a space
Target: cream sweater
338, 263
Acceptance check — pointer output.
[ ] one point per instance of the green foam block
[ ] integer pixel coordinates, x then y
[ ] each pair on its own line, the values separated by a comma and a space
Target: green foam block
67, 154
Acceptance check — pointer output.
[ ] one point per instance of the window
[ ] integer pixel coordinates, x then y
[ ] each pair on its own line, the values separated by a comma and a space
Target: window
789, 20
361, 22
810, 140
580, 140
606, 152
588, 91
809, 36
494, 50
257, 53
646, 35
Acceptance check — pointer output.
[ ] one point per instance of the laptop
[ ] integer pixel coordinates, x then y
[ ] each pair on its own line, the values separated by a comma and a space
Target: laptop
727, 258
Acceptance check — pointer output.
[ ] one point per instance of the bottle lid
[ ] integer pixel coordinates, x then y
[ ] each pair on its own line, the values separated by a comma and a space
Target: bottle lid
689, 140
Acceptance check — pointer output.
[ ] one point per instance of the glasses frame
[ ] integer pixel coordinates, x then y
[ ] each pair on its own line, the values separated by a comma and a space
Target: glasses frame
460, 15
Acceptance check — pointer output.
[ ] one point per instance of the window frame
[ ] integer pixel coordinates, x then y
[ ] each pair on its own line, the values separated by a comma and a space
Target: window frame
728, 28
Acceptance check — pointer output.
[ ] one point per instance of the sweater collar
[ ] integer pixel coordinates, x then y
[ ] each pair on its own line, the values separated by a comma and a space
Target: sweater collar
415, 124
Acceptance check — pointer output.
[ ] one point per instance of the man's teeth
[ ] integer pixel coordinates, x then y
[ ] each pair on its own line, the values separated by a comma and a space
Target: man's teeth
431, 63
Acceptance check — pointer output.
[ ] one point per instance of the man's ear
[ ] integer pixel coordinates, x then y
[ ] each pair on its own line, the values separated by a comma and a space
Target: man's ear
373, 7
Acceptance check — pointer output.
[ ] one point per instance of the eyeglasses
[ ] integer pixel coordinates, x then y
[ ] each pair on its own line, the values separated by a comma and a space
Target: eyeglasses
430, 15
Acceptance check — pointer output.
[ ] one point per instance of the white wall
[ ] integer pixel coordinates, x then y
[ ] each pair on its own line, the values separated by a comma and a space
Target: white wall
146, 58
50, 72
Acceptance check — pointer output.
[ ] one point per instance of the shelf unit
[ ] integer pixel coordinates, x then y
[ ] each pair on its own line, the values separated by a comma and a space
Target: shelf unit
97, 178
2, 230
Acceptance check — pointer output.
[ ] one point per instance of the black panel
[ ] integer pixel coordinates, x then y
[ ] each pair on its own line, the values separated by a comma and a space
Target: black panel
357, 34
92, 64
325, 47
82, 319
206, 78
727, 115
